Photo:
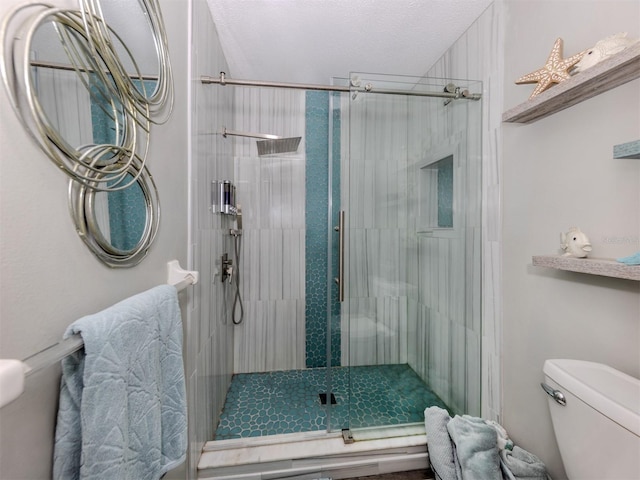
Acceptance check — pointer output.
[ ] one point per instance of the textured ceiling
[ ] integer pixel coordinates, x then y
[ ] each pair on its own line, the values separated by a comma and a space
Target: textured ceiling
310, 41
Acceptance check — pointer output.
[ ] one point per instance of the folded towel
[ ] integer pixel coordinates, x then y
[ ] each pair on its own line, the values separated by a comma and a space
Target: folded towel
122, 412
504, 442
441, 450
476, 448
631, 259
522, 465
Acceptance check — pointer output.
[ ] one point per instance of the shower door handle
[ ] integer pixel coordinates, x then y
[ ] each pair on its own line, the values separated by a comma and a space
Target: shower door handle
340, 278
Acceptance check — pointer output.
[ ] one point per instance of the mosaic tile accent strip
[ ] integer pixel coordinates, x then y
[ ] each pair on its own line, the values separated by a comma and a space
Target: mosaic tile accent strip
316, 239
273, 403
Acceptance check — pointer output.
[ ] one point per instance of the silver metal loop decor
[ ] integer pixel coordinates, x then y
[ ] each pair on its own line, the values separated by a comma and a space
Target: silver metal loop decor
115, 105
160, 101
131, 122
96, 221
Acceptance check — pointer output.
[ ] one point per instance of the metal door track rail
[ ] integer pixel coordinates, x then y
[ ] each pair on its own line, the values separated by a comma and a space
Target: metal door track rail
451, 92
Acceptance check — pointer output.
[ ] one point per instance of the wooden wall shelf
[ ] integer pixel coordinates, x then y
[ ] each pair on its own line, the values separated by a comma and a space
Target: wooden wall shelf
608, 74
606, 267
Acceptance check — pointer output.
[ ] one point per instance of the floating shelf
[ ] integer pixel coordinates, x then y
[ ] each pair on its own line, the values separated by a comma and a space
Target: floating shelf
627, 150
605, 267
608, 74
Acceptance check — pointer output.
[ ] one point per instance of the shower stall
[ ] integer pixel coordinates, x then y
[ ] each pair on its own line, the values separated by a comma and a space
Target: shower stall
360, 261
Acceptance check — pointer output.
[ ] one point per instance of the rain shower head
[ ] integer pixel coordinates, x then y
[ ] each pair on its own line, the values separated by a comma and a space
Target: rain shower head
269, 144
274, 146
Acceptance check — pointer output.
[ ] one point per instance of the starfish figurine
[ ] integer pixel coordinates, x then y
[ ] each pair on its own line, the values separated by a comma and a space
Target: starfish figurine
556, 70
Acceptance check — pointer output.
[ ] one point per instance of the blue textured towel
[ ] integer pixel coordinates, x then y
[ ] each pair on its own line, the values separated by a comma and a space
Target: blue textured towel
522, 465
122, 412
476, 447
631, 259
441, 450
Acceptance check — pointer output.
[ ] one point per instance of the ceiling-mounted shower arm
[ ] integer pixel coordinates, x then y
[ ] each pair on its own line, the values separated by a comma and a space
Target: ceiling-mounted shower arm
264, 136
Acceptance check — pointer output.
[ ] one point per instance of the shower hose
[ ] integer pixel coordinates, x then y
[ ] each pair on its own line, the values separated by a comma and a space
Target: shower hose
237, 299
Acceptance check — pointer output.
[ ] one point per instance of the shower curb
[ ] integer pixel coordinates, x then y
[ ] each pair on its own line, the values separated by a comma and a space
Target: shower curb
310, 456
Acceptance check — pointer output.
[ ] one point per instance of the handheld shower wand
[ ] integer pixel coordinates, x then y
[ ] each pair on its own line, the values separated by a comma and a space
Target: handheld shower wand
236, 233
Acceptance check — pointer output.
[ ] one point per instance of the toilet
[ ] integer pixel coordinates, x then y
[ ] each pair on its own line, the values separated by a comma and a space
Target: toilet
595, 411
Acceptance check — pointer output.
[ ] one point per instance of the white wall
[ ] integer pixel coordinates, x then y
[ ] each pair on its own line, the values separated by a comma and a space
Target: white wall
49, 278
546, 177
559, 172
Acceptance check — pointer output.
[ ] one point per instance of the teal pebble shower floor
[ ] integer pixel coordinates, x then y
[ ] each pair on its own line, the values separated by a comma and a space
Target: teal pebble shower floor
272, 403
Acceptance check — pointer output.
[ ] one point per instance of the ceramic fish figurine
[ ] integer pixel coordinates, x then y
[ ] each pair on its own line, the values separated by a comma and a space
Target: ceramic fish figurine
575, 243
604, 49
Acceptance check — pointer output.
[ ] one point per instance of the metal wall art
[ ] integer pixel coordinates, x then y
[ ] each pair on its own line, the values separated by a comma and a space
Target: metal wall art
109, 87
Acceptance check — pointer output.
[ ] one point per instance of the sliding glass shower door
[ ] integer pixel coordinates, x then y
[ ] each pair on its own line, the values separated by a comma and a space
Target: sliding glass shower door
410, 187
397, 329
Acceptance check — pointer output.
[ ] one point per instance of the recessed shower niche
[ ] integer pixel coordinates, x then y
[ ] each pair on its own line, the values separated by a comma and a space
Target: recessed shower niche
438, 182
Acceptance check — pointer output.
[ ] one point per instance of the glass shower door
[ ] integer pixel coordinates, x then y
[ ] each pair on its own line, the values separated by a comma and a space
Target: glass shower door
410, 187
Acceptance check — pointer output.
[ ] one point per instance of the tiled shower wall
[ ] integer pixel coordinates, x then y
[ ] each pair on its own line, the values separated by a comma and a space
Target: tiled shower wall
413, 297
445, 309
209, 331
373, 194
478, 55
271, 191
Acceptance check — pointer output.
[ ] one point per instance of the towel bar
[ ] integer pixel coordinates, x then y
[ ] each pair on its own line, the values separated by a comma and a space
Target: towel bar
176, 276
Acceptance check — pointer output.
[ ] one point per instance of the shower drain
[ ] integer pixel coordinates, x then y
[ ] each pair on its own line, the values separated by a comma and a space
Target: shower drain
323, 398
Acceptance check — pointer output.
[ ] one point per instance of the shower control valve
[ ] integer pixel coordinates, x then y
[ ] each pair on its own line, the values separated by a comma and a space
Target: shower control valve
227, 268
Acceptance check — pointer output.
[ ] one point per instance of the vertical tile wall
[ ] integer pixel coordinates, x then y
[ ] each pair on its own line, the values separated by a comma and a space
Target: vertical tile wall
445, 329
271, 191
478, 55
209, 332
414, 298
373, 193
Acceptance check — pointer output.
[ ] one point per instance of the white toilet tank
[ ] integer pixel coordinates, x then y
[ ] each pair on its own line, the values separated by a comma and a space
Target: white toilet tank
598, 430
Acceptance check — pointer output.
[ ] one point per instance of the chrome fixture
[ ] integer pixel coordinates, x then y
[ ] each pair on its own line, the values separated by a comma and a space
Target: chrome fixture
223, 197
271, 144
457, 94
557, 395
226, 265
453, 89
339, 280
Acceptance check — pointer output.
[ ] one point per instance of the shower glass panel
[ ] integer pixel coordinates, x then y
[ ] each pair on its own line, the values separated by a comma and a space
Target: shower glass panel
405, 170
411, 191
